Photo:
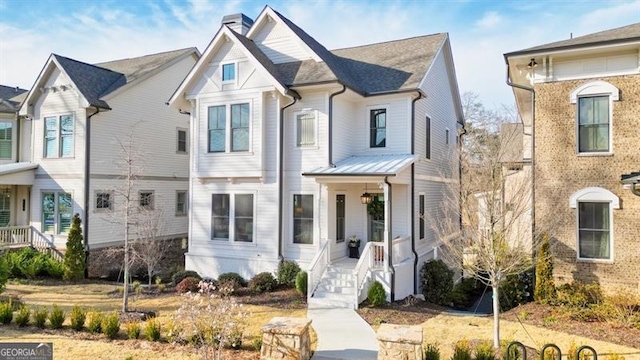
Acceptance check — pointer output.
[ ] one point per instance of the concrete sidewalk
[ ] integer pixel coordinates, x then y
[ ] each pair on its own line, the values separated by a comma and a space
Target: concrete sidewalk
342, 334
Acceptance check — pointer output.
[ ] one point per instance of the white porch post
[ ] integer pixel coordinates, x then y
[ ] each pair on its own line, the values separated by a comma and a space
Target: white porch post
387, 224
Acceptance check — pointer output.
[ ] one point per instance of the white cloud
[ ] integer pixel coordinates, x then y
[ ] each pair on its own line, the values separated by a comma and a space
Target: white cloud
490, 20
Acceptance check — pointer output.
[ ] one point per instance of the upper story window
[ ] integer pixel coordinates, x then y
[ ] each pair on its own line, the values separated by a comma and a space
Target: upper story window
593, 124
6, 135
57, 209
594, 230
236, 117
421, 215
446, 136
306, 129
181, 141
427, 142
229, 72
378, 128
594, 102
58, 136
240, 127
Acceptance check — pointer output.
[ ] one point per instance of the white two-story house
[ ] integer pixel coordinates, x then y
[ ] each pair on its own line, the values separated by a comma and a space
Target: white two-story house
71, 142
295, 149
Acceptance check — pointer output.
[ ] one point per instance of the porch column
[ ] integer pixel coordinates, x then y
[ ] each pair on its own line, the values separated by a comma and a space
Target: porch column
387, 224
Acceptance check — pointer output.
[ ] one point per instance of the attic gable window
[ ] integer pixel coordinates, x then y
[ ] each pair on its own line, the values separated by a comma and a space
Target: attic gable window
229, 72
58, 136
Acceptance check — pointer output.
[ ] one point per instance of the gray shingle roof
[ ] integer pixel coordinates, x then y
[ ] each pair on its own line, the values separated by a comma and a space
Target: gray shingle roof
96, 81
621, 34
398, 65
11, 98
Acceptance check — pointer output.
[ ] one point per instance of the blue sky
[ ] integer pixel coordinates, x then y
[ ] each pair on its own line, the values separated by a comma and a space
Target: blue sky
480, 31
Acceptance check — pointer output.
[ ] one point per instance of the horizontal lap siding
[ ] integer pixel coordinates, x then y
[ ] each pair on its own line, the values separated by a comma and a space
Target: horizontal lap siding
265, 244
345, 125
108, 226
437, 176
398, 126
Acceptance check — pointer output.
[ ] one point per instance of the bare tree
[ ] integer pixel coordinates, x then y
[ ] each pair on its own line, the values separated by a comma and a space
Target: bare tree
493, 202
147, 247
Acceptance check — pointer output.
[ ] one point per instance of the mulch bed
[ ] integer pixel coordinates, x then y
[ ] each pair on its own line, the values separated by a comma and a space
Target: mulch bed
416, 312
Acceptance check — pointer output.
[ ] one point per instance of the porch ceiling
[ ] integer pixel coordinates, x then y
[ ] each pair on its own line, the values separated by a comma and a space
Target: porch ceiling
367, 165
17, 173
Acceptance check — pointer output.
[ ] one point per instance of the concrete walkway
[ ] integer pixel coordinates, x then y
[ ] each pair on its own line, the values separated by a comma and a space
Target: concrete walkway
342, 334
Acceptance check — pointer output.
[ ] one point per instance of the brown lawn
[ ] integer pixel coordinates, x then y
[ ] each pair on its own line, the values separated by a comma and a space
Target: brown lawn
102, 296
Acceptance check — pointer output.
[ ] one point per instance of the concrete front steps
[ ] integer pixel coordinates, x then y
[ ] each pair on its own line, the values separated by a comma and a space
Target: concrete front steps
337, 289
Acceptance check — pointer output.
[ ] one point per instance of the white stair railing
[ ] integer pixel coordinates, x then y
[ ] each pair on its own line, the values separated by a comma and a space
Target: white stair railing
44, 243
317, 268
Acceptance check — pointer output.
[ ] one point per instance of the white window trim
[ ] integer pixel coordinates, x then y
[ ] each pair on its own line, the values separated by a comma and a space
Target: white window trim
592, 89
186, 203
95, 200
316, 209
186, 131
56, 225
235, 73
595, 194
315, 129
58, 154
153, 199
232, 219
227, 132
13, 136
368, 126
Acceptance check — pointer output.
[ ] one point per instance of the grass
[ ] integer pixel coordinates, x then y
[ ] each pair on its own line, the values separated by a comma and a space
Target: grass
104, 297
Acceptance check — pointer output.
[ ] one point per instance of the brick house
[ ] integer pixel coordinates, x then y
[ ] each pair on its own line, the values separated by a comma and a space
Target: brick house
580, 103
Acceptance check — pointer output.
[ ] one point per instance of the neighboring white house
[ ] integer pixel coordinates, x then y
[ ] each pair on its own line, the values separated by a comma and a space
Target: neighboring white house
69, 155
287, 137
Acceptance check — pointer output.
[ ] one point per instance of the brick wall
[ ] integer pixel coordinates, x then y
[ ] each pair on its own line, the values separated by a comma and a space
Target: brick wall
560, 172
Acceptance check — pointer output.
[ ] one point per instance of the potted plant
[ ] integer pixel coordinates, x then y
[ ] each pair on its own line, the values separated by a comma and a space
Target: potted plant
354, 247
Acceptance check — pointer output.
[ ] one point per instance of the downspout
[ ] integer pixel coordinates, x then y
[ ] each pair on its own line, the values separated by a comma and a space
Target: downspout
392, 293
533, 148
295, 97
18, 126
344, 88
87, 176
413, 193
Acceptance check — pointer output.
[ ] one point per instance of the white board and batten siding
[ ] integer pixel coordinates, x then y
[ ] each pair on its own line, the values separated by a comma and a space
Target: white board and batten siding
439, 174
280, 44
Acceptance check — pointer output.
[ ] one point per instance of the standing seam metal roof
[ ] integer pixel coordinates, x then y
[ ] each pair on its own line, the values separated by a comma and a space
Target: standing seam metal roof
366, 165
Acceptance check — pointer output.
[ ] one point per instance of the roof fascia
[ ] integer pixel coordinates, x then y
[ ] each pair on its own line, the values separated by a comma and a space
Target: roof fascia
27, 108
193, 52
268, 13
199, 67
572, 48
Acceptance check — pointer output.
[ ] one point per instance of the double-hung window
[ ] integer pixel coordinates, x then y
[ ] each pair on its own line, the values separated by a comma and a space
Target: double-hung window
181, 141
236, 118
240, 127
217, 128
57, 209
181, 203
302, 219
5, 207
377, 128
306, 129
594, 230
58, 136
6, 136
232, 217
427, 140
593, 124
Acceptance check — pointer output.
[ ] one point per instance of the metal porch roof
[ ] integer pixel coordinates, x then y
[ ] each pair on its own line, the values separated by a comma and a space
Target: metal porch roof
367, 165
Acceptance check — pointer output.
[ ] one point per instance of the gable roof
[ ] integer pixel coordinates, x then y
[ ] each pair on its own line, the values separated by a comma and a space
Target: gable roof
10, 98
622, 34
96, 81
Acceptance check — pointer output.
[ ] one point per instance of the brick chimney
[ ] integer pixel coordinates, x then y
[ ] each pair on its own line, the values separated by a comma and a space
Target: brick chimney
239, 23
